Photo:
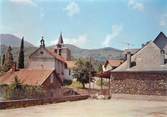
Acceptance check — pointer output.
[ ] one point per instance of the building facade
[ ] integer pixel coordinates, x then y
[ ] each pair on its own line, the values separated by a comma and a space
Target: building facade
145, 72
47, 69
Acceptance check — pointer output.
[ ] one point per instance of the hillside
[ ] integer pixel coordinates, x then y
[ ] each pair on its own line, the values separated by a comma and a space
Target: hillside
12, 40
15, 51
99, 54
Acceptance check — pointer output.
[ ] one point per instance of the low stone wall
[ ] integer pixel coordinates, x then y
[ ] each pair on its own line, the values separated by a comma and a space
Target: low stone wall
144, 83
32, 102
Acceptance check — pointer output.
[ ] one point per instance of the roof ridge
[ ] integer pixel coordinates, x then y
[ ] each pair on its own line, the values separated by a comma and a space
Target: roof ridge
160, 34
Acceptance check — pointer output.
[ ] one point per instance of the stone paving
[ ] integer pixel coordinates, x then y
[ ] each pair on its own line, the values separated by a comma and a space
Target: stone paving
93, 108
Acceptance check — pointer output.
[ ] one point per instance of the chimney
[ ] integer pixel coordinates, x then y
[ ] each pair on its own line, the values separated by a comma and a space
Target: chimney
128, 60
14, 67
162, 57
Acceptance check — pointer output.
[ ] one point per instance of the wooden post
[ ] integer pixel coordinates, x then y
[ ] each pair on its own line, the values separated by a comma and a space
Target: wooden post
101, 85
89, 83
109, 87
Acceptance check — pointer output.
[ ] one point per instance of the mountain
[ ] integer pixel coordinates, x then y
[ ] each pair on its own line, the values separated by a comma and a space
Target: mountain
13, 41
99, 54
15, 52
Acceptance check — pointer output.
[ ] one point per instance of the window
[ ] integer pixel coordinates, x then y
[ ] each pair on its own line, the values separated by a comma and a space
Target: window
133, 64
41, 52
55, 50
69, 72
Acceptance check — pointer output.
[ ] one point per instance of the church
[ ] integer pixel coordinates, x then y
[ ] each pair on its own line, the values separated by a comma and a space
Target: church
46, 68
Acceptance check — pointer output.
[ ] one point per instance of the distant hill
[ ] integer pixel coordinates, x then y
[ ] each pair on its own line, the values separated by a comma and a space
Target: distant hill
15, 52
13, 41
99, 54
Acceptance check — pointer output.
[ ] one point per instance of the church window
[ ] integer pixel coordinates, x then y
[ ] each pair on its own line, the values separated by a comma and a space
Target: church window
69, 72
55, 50
41, 52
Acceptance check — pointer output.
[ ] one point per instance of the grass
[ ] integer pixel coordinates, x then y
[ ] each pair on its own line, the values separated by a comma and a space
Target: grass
75, 84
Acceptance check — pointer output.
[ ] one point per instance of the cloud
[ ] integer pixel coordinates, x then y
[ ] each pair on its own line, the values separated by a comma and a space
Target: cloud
79, 41
115, 31
163, 20
24, 2
136, 5
72, 8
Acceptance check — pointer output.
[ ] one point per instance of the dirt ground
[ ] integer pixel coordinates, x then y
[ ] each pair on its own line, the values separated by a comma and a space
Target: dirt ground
93, 108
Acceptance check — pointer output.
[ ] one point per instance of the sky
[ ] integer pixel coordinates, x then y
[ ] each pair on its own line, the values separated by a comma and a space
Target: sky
85, 23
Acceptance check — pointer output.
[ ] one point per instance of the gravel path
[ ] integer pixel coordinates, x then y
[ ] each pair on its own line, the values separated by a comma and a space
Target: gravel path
93, 108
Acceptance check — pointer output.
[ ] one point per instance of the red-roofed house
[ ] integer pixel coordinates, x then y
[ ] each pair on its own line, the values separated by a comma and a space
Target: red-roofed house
46, 69
112, 64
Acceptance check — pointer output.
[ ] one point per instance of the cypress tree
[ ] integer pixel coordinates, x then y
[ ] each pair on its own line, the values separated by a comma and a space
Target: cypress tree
21, 55
8, 59
3, 59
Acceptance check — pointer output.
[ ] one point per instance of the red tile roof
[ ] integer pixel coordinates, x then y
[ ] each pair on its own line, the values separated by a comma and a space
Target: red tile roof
60, 58
115, 63
26, 76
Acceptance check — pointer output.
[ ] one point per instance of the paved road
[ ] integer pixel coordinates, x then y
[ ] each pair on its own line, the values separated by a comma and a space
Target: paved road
93, 108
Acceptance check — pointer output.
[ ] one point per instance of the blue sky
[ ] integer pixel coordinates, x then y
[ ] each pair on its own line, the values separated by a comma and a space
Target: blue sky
85, 23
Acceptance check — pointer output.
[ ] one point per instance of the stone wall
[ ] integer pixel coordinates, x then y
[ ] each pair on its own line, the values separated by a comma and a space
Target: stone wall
32, 102
144, 83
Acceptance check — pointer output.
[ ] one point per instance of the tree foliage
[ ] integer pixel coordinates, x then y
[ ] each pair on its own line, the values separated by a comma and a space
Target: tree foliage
83, 71
100, 69
21, 55
8, 62
3, 59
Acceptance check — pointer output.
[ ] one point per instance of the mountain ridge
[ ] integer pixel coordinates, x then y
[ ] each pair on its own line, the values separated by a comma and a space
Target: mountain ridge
12, 40
100, 54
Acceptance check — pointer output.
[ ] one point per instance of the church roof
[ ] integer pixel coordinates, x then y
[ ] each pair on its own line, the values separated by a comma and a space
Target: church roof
60, 41
60, 58
26, 76
56, 56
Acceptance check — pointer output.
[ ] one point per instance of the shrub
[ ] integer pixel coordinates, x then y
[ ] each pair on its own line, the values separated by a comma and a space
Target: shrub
17, 91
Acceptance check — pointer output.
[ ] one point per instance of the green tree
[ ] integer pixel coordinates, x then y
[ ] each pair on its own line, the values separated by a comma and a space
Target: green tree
100, 68
83, 71
21, 55
3, 59
8, 62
